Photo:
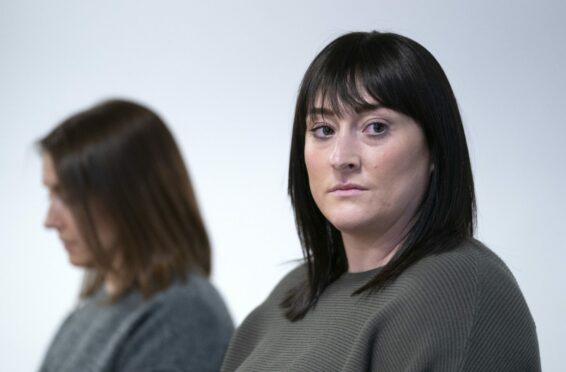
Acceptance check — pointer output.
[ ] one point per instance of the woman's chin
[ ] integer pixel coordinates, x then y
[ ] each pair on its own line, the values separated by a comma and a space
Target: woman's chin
352, 226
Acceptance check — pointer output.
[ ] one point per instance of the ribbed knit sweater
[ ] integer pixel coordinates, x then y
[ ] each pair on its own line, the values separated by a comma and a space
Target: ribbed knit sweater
457, 311
185, 327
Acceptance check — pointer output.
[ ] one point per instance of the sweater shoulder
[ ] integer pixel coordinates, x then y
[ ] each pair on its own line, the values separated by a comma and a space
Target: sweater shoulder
264, 317
470, 264
293, 278
452, 286
270, 306
188, 315
467, 306
473, 286
197, 292
187, 304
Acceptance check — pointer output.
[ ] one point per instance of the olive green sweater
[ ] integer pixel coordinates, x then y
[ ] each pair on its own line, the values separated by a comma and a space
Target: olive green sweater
457, 311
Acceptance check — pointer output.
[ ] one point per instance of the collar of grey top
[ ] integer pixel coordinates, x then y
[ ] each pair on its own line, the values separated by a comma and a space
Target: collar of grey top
360, 277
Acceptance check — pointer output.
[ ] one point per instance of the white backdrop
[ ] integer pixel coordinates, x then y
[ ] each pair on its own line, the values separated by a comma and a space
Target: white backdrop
224, 75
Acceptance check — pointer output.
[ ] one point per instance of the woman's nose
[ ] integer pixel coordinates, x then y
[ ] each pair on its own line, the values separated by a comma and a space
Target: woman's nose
53, 218
345, 153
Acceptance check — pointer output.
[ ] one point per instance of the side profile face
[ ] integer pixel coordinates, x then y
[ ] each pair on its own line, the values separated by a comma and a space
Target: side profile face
60, 218
368, 169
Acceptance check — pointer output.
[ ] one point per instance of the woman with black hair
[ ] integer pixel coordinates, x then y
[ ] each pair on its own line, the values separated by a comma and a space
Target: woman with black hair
382, 189
123, 206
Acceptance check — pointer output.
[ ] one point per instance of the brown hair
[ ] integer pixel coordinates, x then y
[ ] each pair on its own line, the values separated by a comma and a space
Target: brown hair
117, 161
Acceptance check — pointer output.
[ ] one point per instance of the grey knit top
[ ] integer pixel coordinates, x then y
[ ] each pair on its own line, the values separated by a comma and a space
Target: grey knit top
183, 328
456, 311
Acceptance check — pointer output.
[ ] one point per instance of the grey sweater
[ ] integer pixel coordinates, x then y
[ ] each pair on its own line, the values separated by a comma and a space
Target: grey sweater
183, 328
457, 311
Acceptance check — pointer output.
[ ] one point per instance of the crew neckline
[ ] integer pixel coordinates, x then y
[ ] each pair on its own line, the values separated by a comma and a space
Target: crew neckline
360, 275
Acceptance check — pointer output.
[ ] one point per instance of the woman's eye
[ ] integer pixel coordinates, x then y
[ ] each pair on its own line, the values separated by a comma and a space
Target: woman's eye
322, 131
376, 128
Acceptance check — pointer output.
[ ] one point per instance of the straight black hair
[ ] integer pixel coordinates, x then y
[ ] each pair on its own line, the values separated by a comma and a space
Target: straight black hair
401, 75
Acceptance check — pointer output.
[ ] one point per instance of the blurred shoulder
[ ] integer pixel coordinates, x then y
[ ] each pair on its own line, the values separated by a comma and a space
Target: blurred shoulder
195, 299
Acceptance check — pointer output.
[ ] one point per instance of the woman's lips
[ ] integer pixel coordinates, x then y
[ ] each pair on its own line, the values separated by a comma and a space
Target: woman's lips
347, 189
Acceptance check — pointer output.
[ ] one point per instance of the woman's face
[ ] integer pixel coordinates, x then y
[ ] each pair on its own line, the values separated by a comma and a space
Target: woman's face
368, 170
60, 218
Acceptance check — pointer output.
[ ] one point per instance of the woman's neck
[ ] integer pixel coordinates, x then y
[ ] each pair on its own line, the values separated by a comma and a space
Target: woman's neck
374, 245
367, 253
110, 284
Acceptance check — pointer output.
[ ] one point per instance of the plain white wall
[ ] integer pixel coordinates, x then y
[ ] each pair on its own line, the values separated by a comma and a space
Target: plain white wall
224, 75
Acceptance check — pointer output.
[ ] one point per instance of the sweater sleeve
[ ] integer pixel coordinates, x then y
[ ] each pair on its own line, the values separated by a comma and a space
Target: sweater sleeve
456, 315
503, 335
182, 334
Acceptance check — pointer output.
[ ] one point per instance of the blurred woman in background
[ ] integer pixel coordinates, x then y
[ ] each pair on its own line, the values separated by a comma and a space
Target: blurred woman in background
122, 203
